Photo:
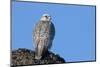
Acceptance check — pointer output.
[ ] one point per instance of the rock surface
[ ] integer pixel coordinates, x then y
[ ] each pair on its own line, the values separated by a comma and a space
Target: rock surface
24, 57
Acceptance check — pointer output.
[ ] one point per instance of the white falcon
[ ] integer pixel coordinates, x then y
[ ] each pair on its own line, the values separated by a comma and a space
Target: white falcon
43, 35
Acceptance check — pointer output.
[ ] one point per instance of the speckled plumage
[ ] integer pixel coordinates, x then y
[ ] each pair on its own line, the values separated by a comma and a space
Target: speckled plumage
43, 35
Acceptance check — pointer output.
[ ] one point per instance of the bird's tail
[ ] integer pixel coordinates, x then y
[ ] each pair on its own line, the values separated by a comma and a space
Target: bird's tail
39, 51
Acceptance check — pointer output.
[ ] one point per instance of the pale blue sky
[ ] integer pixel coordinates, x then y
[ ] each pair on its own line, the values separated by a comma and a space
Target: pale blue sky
75, 28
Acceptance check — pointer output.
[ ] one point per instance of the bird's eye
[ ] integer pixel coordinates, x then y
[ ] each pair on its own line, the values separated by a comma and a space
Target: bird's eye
46, 16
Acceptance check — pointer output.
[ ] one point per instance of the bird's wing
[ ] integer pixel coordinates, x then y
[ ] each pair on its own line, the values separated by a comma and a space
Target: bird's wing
51, 34
36, 33
52, 31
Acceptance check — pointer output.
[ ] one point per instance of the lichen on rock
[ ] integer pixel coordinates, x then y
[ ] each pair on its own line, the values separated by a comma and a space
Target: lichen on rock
24, 57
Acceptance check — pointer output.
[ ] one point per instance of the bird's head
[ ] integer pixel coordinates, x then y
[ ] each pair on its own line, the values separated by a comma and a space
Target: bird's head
45, 17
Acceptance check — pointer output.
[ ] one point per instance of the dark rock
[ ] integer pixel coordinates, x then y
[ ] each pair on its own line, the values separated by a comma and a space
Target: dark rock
23, 56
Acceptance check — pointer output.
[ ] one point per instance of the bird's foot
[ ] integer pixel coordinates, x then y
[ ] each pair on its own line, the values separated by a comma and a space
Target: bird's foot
38, 58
